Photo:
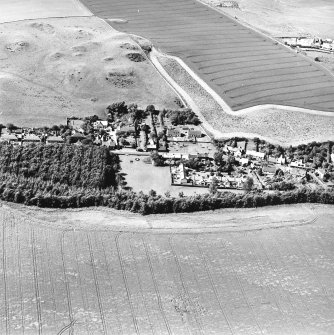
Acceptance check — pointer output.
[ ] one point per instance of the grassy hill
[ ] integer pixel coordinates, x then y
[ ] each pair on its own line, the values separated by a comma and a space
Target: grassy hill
54, 68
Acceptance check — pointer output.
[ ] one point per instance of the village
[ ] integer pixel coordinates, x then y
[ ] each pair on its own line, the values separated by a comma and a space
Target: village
175, 140
310, 43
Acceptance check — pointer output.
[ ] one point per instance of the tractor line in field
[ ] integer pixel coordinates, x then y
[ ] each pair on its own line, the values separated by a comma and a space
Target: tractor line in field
303, 254
125, 280
276, 247
184, 287
156, 287
274, 270
213, 286
241, 287
96, 284
82, 291
19, 266
52, 286
140, 285
4, 274
67, 285
36, 283
112, 291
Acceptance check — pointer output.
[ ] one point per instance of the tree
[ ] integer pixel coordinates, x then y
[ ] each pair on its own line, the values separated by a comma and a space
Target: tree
152, 193
157, 159
10, 127
248, 184
213, 188
1, 127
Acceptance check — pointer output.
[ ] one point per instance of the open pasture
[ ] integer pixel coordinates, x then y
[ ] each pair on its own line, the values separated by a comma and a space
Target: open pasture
244, 67
100, 272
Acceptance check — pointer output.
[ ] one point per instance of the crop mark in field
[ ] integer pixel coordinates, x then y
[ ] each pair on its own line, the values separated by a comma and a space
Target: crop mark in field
274, 270
119, 326
83, 293
125, 280
156, 288
51, 278
4, 274
141, 286
67, 284
213, 286
310, 267
19, 266
184, 287
36, 283
97, 287
241, 287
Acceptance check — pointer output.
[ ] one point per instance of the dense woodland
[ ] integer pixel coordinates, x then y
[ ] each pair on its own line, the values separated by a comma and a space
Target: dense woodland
63, 176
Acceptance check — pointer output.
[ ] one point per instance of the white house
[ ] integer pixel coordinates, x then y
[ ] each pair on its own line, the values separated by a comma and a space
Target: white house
256, 154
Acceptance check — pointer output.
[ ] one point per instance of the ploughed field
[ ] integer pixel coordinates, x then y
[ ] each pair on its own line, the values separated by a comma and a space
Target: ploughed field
58, 279
243, 66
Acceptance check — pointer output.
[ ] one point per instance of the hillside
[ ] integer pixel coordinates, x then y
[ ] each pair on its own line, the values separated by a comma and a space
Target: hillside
54, 68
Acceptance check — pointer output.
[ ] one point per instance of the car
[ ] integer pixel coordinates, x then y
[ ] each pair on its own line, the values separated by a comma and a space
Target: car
137, 159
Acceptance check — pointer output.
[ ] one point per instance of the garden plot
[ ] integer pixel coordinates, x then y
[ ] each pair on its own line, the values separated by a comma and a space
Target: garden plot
199, 35
175, 274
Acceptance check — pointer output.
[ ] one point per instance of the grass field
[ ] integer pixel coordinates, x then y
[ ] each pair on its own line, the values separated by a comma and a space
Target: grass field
244, 67
102, 272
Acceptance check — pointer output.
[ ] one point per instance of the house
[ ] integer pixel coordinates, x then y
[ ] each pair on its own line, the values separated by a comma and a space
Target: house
75, 124
321, 173
327, 46
10, 138
256, 154
173, 132
31, 138
281, 160
111, 144
99, 124
54, 140
298, 164
194, 133
244, 161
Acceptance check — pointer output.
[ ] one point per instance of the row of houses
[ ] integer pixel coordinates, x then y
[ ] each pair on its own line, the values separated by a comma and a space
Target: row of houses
29, 138
310, 43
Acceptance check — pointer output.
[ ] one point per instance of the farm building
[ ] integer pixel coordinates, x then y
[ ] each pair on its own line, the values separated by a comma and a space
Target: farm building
54, 139
256, 154
31, 138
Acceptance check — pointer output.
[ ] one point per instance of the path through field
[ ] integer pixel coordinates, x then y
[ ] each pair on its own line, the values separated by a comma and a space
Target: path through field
60, 278
244, 67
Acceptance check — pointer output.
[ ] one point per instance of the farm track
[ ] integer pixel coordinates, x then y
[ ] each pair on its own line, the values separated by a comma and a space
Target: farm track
269, 281
198, 34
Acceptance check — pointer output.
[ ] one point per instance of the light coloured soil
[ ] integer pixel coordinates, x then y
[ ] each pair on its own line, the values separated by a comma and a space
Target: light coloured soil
51, 69
275, 125
259, 271
14, 10
284, 17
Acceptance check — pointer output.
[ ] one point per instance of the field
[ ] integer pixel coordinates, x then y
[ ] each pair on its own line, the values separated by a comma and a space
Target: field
285, 18
55, 68
275, 125
35, 9
103, 272
243, 67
